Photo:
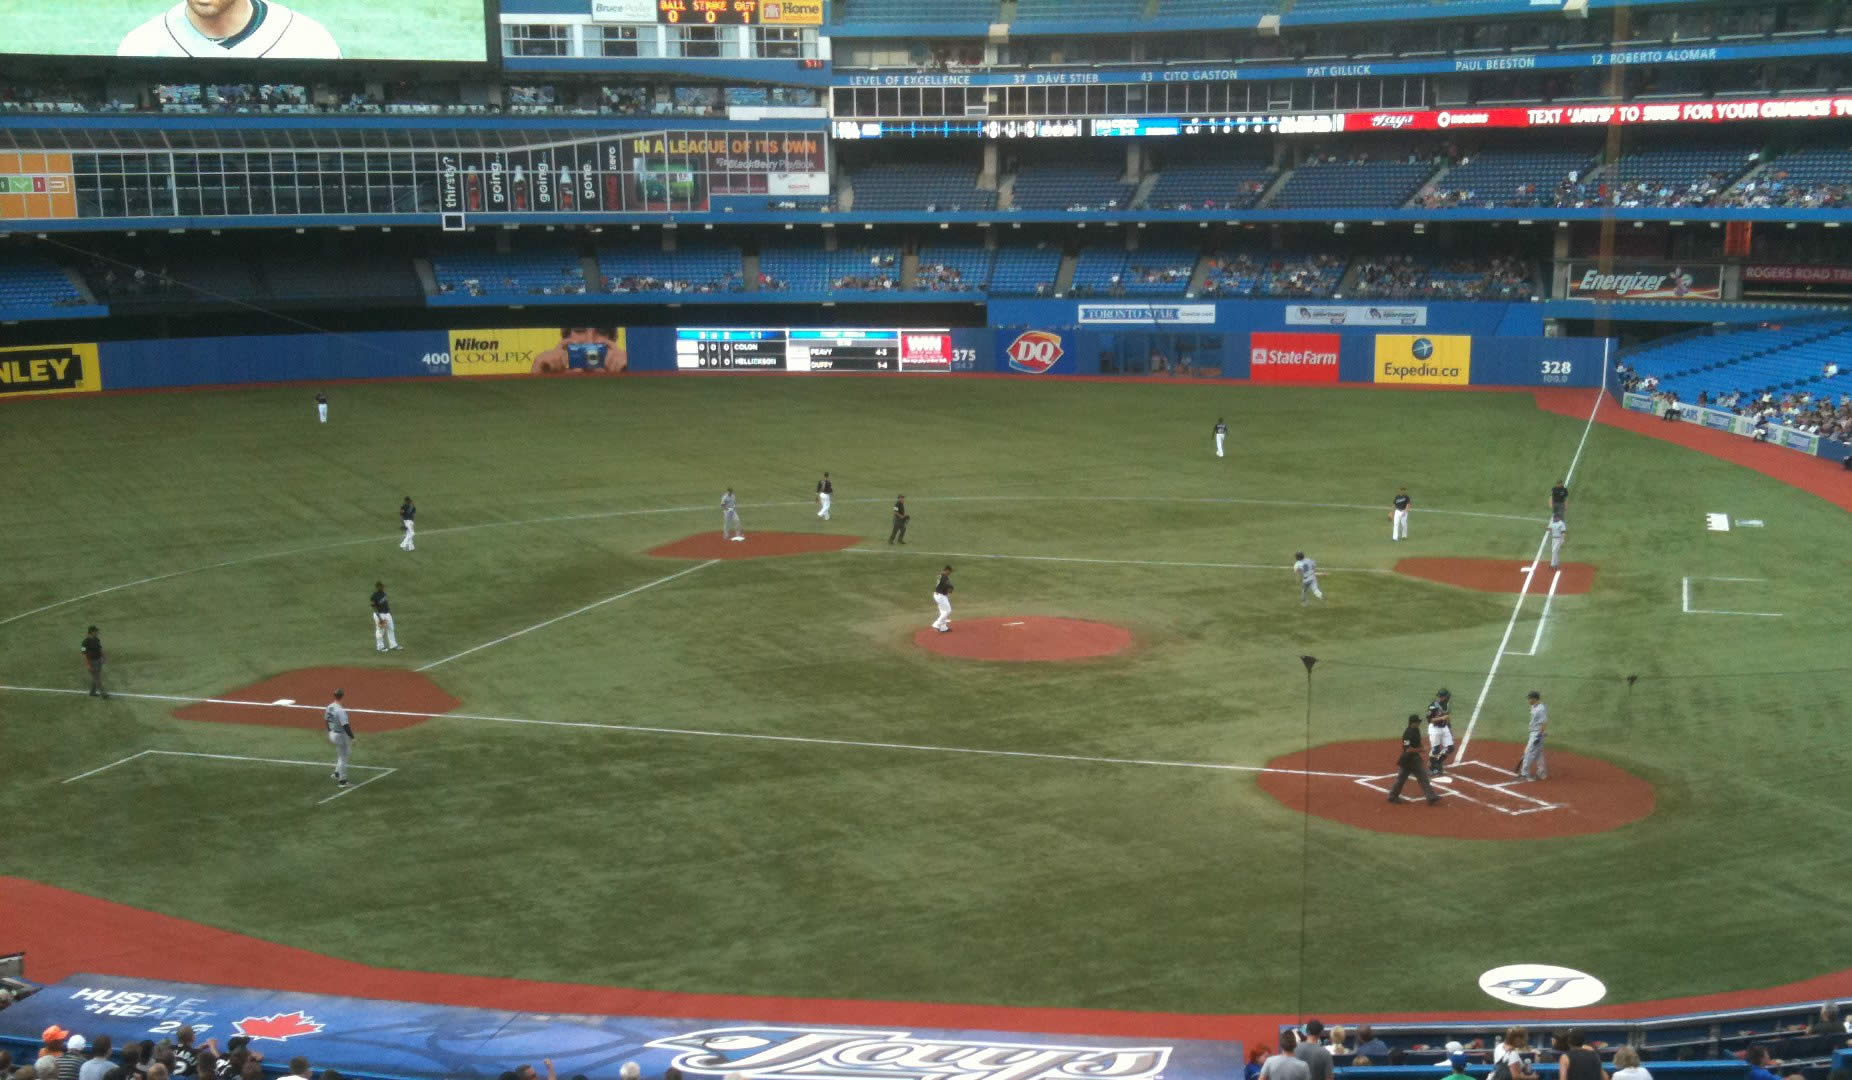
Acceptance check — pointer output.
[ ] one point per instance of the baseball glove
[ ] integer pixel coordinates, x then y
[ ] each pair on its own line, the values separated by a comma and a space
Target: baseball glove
381, 623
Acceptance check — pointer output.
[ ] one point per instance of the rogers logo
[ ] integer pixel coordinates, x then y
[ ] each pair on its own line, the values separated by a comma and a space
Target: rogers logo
1392, 120
1034, 351
1463, 119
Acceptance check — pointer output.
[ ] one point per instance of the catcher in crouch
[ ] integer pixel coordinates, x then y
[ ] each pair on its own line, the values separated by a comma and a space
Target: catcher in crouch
1440, 731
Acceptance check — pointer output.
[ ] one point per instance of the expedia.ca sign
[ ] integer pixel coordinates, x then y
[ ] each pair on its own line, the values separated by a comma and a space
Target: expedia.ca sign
49, 369
865, 1054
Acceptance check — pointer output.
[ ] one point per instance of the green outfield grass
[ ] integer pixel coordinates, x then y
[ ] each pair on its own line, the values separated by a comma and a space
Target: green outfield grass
696, 863
365, 29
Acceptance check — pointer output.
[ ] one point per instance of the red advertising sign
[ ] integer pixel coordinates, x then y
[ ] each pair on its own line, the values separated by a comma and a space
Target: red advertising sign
1574, 116
1293, 358
1034, 352
925, 350
1799, 275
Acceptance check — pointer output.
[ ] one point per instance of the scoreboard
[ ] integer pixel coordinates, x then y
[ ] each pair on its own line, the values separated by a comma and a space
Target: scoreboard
708, 12
832, 349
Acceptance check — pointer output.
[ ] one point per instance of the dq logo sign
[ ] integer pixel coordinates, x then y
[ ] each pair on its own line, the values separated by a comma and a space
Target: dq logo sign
830, 1054
1542, 986
1034, 352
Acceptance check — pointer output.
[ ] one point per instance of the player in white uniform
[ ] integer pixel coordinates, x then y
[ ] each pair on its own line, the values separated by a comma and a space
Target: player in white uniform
340, 733
1398, 517
233, 29
1221, 435
826, 491
1533, 750
730, 517
1557, 531
1307, 570
942, 599
408, 524
385, 635
321, 407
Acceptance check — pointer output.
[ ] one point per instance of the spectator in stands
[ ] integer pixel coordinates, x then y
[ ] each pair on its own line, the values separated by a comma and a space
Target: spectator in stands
97, 1066
1285, 1065
1255, 1056
186, 1055
71, 1061
1826, 1021
1368, 1043
1398, 1056
1457, 1062
1337, 1039
1312, 1051
1627, 1065
52, 1045
1579, 1061
298, 1069
1757, 1057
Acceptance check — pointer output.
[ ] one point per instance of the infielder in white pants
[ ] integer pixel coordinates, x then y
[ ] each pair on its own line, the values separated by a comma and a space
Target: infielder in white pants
340, 733
1557, 531
730, 517
321, 407
1221, 435
384, 636
1398, 528
942, 598
825, 490
407, 525
1533, 750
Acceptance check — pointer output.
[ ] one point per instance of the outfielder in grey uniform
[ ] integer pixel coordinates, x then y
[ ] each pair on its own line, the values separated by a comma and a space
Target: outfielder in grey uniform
1533, 750
340, 733
1557, 532
730, 517
1307, 569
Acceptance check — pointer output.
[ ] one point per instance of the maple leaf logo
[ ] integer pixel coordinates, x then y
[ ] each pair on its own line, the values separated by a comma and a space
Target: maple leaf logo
280, 1026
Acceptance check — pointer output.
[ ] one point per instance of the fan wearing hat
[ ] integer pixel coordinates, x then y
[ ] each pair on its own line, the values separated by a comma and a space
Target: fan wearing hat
53, 1039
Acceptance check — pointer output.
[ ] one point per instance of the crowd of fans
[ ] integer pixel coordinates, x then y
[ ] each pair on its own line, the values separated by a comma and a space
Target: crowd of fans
1774, 189
1300, 277
1701, 190
939, 277
68, 1055
1403, 277
646, 283
1820, 414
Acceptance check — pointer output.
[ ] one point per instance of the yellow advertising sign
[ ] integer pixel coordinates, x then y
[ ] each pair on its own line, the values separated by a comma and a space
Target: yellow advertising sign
568, 350
1424, 359
49, 369
791, 13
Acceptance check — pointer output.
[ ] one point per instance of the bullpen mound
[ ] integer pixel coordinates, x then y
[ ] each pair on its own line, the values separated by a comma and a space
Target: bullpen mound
294, 699
1350, 783
757, 545
1499, 575
1026, 637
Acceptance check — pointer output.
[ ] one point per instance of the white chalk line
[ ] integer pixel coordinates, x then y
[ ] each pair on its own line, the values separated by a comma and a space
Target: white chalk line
1384, 783
1685, 600
1530, 574
577, 611
380, 771
643, 729
1549, 598
1116, 562
605, 515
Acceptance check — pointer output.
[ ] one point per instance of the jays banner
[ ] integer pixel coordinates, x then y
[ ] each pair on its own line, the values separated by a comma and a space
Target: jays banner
365, 1038
49, 369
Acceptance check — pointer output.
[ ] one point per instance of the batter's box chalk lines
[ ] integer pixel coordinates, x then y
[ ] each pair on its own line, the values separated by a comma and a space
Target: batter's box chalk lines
607, 515
380, 772
749, 736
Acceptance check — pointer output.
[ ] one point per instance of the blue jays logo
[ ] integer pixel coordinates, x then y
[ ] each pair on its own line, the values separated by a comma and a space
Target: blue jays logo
866, 1054
1535, 987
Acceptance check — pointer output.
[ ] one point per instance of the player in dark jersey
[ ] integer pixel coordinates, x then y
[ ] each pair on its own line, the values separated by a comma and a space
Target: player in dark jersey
1440, 731
1398, 517
901, 517
942, 599
1559, 498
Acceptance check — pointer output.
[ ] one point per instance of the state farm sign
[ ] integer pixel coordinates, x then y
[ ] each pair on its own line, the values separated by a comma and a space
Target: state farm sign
1293, 358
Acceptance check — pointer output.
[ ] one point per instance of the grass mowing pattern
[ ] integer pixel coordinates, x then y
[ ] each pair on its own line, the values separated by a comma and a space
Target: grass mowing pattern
715, 865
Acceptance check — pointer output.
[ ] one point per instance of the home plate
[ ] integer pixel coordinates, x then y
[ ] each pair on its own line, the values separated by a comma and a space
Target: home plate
1443, 779
284, 701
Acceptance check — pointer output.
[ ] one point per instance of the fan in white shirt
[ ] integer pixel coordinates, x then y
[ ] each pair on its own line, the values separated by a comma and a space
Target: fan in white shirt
245, 29
1627, 1065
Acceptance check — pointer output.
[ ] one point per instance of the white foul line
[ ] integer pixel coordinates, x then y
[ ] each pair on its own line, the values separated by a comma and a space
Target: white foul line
381, 770
640, 729
1549, 598
1685, 600
1518, 608
1118, 562
562, 618
105, 768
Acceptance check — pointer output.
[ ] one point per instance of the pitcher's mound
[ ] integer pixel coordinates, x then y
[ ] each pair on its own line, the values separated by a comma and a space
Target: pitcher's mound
295, 699
1026, 637
1499, 575
758, 545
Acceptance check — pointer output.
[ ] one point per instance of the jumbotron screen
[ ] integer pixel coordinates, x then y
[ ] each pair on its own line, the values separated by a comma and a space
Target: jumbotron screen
251, 29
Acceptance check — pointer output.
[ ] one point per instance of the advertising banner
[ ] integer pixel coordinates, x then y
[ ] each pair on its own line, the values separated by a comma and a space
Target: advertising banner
49, 369
559, 351
1355, 315
1797, 275
791, 13
623, 11
371, 1037
1293, 358
1195, 314
1646, 281
1424, 359
1034, 352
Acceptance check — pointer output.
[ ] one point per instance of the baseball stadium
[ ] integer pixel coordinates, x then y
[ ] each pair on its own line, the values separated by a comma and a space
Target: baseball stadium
1001, 540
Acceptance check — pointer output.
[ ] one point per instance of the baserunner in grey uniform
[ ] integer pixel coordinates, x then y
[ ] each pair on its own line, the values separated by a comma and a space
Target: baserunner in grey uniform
730, 517
1307, 570
340, 733
1533, 750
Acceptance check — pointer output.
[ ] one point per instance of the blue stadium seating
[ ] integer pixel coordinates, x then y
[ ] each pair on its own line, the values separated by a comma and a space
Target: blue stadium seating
1273, 274
1387, 184
1408, 277
1064, 187
1663, 176
1510, 178
1067, 10
864, 11
920, 187
31, 282
802, 269
1817, 176
515, 274
1146, 272
1749, 361
1025, 271
1227, 184
953, 269
688, 269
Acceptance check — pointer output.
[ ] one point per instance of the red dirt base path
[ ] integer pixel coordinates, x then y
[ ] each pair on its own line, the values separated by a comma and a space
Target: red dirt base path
1498, 575
1026, 637
1583, 794
393, 690
757, 545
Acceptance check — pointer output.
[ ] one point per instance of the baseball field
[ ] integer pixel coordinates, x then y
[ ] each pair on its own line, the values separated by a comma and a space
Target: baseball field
364, 29
748, 774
